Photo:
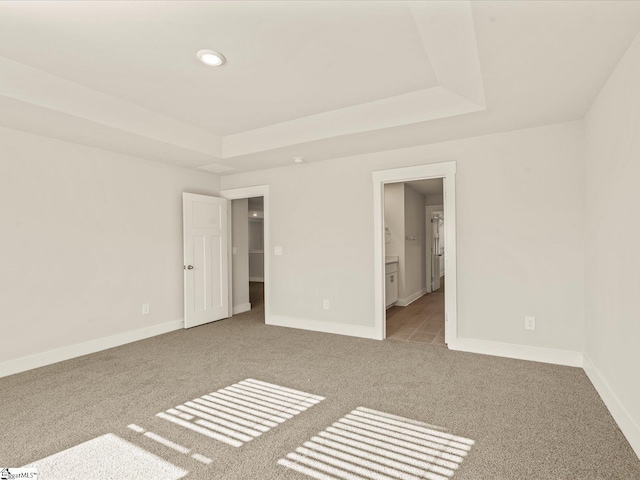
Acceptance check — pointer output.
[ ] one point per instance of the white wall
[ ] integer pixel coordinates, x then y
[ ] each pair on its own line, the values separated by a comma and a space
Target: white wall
433, 199
394, 221
256, 250
414, 250
529, 260
240, 257
88, 236
442, 242
256, 234
404, 216
612, 240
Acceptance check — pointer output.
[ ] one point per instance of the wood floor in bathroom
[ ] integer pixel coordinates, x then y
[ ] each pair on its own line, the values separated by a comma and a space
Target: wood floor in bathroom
422, 321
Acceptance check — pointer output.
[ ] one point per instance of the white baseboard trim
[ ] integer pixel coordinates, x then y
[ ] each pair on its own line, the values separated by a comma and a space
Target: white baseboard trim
628, 426
244, 307
319, 326
520, 352
256, 279
30, 362
403, 302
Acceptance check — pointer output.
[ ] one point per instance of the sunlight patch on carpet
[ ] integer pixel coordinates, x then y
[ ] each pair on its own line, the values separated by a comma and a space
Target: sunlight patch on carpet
170, 444
241, 412
368, 444
107, 457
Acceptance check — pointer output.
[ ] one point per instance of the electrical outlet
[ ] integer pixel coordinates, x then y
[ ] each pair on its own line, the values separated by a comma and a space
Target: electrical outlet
277, 250
530, 323
145, 309
325, 304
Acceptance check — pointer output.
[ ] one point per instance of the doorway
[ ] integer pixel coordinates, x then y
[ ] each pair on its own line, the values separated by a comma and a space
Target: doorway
256, 251
438, 257
414, 253
248, 255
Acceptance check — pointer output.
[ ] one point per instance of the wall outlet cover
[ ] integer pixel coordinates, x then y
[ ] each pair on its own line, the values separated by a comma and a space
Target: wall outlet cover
530, 323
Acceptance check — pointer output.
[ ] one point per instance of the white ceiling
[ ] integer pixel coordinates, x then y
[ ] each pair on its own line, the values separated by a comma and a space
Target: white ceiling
285, 60
311, 79
256, 207
427, 187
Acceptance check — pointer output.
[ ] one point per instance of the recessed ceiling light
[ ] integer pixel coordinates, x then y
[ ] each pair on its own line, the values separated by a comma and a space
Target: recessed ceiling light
298, 159
255, 214
211, 58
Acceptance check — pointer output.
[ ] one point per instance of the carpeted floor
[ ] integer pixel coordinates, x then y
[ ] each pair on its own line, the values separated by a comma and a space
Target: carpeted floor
499, 418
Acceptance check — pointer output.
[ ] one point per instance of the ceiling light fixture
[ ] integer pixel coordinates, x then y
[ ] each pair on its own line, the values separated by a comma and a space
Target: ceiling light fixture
211, 58
255, 214
298, 159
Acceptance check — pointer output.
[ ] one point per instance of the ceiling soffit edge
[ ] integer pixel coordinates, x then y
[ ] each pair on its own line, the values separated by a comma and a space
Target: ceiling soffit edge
448, 36
446, 30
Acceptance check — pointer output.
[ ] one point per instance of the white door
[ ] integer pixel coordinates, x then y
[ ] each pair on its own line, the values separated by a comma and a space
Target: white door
437, 249
206, 285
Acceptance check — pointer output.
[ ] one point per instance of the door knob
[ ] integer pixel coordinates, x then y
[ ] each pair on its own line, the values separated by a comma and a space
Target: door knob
189, 267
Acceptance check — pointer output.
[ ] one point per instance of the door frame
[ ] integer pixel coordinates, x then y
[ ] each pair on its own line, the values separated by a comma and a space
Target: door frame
239, 194
446, 171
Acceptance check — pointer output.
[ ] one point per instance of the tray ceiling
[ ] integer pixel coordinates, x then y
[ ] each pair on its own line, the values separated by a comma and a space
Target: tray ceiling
312, 79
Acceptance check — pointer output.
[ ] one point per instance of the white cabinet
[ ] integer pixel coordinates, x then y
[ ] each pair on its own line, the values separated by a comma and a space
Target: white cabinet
391, 283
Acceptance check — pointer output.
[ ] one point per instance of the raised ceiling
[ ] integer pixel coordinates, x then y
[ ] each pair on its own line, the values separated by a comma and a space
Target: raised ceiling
285, 60
312, 79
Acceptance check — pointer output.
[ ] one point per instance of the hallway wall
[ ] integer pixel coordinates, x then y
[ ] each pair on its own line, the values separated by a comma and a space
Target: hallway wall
414, 250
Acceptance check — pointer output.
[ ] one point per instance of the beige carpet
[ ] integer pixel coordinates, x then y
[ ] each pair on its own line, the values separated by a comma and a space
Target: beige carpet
311, 404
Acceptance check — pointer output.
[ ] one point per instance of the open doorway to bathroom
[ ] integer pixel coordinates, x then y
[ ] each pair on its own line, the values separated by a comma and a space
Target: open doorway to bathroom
446, 173
414, 226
